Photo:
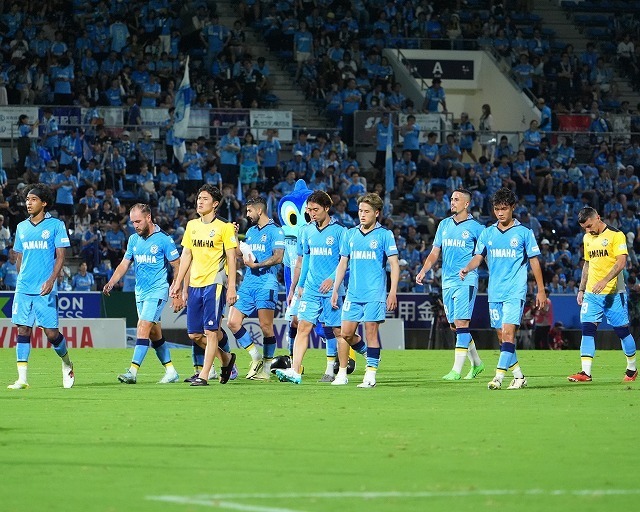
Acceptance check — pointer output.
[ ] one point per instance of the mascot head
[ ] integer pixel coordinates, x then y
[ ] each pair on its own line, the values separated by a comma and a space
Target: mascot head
291, 209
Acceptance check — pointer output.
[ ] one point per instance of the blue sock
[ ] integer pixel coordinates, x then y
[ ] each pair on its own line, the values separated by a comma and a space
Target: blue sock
162, 351
23, 348
269, 347
293, 332
331, 342
140, 351
60, 345
507, 356
628, 343
463, 337
587, 346
197, 356
223, 344
360, 347
242, 337
373, 357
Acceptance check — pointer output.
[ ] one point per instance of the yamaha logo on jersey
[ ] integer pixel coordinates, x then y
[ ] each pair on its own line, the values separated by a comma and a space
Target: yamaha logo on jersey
514, 242
263, 238
330, 240
465, 234
153, 249
211, 233
373, 244
45, 234
605, 242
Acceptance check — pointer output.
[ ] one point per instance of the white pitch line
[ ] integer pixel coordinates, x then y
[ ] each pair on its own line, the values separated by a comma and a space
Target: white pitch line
215, 503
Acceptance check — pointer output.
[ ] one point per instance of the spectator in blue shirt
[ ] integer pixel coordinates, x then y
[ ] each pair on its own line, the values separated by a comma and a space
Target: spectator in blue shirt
83, 281
9, 271
229, 148
116, 242
434, 97
66, 187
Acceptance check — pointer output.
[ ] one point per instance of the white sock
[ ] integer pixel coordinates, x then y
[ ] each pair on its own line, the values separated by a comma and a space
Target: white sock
631, 363
461, 357
22, 373
517, 372
474, 357
499, 376
330, 361
266, 365
342, 373
133, 370
370, 375
586, 365
253, 352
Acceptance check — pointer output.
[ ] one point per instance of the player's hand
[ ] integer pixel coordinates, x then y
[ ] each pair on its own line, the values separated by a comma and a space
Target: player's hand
47, 286
290, 296
326, 285
249, 263
174, 290
300, 291
392, 302
580, 298
236, 227
177, 304
463, 273
599, 286
541, 300
334, 299
420, 277
232, 297
107, 288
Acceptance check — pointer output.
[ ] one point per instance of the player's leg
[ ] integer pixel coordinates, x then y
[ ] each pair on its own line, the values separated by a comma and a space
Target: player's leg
504, 361
591, 314
163, 353
348, 336
23, 316
294, 374
266, 302
373, 354
214, 300
509, 314
198, 344
468, 303
195, 330
330, 319
143, 333
46, 315
451, 297
244, 306
618, 316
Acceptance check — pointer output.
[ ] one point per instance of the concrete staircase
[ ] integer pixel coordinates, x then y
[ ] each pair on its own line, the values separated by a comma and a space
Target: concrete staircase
554, 17
305, 114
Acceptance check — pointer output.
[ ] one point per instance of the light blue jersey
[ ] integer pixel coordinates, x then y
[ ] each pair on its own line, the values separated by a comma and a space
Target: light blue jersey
368, 253
38, 244
507, 255
263, 241
322, 247
457, 240
149, 255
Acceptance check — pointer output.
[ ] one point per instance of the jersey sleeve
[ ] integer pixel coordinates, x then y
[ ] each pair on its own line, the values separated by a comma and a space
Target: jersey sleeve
481, 243
128, 255
530, 244
437, 241
229, 239
17, 244
170, 249
61, 236
278, 239
390, 247
345, 247
619, 242
186, 238
585, 251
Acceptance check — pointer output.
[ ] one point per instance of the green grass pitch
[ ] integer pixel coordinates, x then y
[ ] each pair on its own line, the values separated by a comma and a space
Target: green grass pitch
414, 443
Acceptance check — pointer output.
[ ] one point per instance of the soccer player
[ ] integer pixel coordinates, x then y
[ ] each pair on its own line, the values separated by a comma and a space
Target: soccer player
507, 246
365, 250
602, 292
259, 289
321, 242
40, 242
456, 238
149, 248
209, 254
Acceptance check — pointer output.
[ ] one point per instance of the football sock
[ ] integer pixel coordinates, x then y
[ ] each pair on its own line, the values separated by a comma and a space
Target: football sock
373, 358
139, 353
360, 347
163, 353
223, 344
332, 349
268, 349
23, 348
515, 366
293, 332
244, 340
197, 355
60, 346
507, 351
463, 338
473, 355
628, 346
588, 346
342, 373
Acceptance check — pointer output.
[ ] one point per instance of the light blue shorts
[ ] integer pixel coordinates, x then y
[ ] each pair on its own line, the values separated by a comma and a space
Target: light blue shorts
30, 310
363, 311
507, 312
458, 302
252, 299
315, 308
612, 306
292, 310
150, 310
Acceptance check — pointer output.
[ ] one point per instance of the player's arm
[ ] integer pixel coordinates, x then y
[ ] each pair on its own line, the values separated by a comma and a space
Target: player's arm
47, 286
340, 272
472, 265
118, 274
274, 259
392, 301
18, 261
618, 266
541, 296
232, 295
185, 263
583, 282
429, 262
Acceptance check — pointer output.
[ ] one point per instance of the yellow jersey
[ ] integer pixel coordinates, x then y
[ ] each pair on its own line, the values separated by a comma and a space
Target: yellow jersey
601, 252
208, 244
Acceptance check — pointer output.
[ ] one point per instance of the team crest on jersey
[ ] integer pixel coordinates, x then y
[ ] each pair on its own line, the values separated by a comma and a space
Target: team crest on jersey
605, 242
373, 244
263, 238
211, 233
153, 249
514, 242
465, 234
330, 240
45, 234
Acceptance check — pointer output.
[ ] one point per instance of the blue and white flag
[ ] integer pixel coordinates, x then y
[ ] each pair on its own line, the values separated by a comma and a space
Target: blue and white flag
388, 164
182, 105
